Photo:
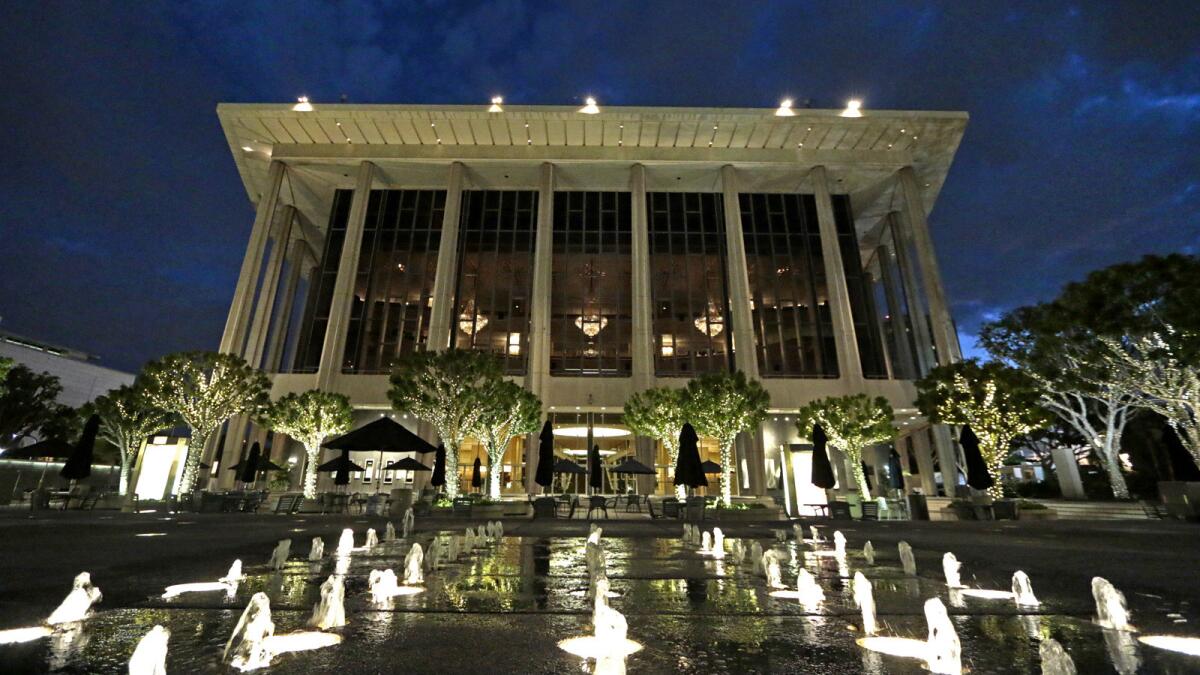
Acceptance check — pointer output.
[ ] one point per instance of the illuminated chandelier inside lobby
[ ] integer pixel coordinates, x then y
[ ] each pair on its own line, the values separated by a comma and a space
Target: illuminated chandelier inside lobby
471, 322
710, 323
590, 324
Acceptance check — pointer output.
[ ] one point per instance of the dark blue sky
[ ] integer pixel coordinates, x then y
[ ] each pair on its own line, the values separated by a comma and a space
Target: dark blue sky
123, 221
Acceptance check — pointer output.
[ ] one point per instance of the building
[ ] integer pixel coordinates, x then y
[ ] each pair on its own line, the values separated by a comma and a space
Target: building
82, 379
598, 253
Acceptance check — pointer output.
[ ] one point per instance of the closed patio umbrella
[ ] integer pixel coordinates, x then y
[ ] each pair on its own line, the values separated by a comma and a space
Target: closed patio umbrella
595, 476
867, 476
709, 466
477, 474
438, 478
895, 470
688, 471
978, 475
545, 465
79, 465
822, 470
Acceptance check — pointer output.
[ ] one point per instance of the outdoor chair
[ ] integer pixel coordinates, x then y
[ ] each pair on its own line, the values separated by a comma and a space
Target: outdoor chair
839, 510
1006, 509
650, 510
462, 506
633, 503
870, 511
963, 511
335, 503
287, 504
1153, 510
597, 503
545, 507
670, 507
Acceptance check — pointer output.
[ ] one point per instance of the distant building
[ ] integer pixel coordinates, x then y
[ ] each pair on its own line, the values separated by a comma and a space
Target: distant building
82, 379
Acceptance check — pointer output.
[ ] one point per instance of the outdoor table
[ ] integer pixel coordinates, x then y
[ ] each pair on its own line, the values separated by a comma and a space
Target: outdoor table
818, 509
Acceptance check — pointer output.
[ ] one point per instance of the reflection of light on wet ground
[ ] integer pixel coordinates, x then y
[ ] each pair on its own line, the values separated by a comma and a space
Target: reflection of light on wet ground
896, 646
301, 642
1174, 643
984, 593
198, 587
18, 635
151, 534
592, 647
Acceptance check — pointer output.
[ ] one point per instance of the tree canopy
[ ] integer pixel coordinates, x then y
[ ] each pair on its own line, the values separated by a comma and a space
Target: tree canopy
852, 423
309, 418
508, 410
659, 413
127, 418
29, 407
721, 406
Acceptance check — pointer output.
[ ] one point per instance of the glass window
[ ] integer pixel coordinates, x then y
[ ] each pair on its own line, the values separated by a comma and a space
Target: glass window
688, 286
320, 295
369, 465
590, 324
859, 286
575, 433
495, 274
793, 327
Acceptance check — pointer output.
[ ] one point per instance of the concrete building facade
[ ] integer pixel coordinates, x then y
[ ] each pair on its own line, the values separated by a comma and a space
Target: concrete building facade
598, 254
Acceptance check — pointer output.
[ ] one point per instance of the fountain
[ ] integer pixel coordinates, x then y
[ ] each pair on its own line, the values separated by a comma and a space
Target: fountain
771, 570
341, 565
481, 537
869, 553
798, 532
227, 583
280, 555
706, 543
253, 643
864, 598
950, 567
150, 655
816, 534
781, 536
1055, 659
499, 530
372, 539
452, 549
234, 574
389, 532
718, 543
468, 541
1174, 643
330, 610
609, 639
739, 552
756, 558
78, 603
839, 543
1111, 610
345, 542
383, 586
433, 561
906, 559
412, 566
408, 523
1023, 591
808, 592
594, 535
942, 651
317, 551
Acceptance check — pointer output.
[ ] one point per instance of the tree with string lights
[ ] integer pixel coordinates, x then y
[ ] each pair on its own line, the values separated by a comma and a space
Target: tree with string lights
127, 418
310, 417
659, 413
508, 410
852, 424
721, 406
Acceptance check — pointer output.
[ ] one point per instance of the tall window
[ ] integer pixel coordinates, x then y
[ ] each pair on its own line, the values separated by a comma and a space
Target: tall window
591, 327
859, 286
793, 327
688, 286
389, 314
495, 271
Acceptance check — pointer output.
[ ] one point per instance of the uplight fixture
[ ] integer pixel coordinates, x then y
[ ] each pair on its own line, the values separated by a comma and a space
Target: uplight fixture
852, 108
302, 105
785, 109
590, 106
496, 101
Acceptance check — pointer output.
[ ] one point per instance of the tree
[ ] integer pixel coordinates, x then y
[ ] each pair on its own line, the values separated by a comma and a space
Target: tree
204, 389
29, 407
722, 405
998, 401
127, 417
310, 418
6, 364
1061, 349
659, 413
852, 423
508, 410
445, 389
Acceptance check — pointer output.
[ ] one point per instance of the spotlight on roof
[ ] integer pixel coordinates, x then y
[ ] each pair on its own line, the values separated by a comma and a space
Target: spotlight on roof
496, 101
852, 108
247, 148
590, 107
302, 105
785, 108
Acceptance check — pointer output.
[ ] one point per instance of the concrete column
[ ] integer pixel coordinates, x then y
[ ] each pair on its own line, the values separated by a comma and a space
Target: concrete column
745, 355
539, 331
645, 450
904, 366
334, 345
272, 362
924, 454
916, 308
849, 366
947, 454
1067, 471
261, 325
441, 315
643, 317
944, 334
238, 321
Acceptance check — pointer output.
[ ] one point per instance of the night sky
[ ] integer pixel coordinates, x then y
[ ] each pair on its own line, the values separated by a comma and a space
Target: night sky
123, 220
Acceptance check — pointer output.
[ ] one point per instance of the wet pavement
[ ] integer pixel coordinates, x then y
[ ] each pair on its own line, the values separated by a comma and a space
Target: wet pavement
502, 609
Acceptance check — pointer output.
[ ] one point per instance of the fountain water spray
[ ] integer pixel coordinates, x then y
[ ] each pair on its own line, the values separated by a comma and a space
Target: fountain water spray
771, 570
345, 542
780, 536
150, 655
950, 567
253, 643
481, 538
718, 543
433, 561
609, 643
1111, 610
809, 591
330, 611
839, 543
389, 532
452, 549
412, 566
383, 586
1023, 591
1055, 659
739, 552
816, 534
499, 530
227, 583
78, 603
798, 532
869, 553
864, 598
280, 555
317, 551
906, 559
945, 649
408, 523
706, 542
756, 558
372, 539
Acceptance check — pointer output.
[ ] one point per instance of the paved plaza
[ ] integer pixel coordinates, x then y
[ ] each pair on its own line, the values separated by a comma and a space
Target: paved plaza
503, 608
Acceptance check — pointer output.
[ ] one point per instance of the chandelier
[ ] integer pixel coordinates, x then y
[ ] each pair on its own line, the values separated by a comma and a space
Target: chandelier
590, 324
471, 322
711, 323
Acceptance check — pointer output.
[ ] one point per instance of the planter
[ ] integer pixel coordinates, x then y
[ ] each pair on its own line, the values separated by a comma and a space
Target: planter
501, 510
744, 516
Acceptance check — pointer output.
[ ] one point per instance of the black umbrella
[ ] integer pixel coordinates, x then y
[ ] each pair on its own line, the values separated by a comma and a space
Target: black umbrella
595, 478
895, 470
341, 466
545, 467
867, 475
79, 465
688, 471
567, 466
438, 478
978, 475
477, 474
631, 465
822, 470
265, 464
709, 466
384, 434
408, 464
51, 448
249, 472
